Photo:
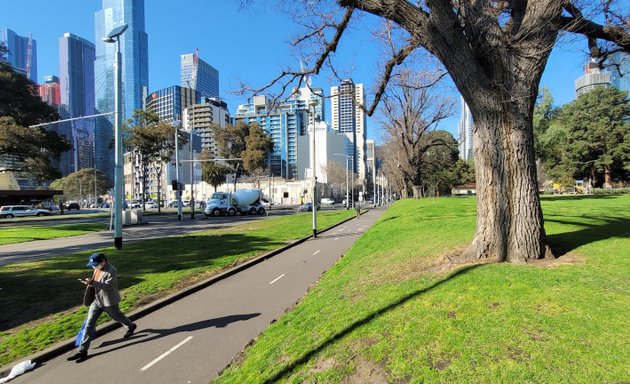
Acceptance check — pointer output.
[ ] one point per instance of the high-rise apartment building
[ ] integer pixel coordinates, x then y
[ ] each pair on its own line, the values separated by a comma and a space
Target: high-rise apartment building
202, 116
284, 125
76, 72
620, 71
465, 132
199, 75
49, 91
21, 53
135, 71
349, 118
169, 103
593, 77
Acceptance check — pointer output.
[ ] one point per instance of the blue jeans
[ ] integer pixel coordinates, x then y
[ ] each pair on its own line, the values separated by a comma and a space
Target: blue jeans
94, 313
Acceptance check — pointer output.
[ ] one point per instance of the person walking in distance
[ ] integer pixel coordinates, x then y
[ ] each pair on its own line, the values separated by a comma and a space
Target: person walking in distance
106, 299
357, 208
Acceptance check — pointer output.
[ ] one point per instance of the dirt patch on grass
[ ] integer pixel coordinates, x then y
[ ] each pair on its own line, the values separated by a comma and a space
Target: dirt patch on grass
566, 259
367, 372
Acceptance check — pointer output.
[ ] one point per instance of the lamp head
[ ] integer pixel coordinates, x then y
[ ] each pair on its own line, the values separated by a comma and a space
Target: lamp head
115, 33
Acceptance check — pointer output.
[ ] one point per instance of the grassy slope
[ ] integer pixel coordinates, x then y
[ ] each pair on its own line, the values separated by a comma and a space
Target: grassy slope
379, 316
46, 293
21, 234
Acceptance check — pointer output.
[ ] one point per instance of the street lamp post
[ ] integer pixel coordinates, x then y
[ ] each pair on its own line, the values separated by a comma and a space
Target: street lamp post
178, 195
349, 163
314, 200
114, 37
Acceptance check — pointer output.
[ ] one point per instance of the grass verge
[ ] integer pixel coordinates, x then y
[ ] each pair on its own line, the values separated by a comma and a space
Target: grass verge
22, 234
384, 314
40, 300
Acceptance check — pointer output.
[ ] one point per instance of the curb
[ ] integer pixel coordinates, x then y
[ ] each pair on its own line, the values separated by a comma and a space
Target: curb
67, 345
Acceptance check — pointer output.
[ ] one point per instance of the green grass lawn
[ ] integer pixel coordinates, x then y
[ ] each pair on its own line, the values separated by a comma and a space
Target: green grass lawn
386, 312
40, 301
22, 234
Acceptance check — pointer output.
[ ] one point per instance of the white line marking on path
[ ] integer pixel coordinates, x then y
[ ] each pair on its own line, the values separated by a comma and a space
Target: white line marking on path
276, 279
336, 238
166, 354
316, 252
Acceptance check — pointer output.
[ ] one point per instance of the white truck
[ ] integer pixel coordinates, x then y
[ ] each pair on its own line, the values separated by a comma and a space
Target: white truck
244, 201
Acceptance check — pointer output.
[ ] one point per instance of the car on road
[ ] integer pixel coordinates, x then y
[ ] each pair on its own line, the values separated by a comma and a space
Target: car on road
307, 207
151, 204
327, 201
11, 211
70, 205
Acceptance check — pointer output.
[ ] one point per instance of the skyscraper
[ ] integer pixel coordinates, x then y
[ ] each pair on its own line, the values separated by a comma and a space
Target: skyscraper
620, 71
465, 131
21, 53
76, 72
348, 117
49, 91
135, 71
199, 75
593, 77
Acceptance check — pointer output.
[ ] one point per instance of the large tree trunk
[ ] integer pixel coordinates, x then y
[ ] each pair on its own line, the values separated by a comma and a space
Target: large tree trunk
509, 219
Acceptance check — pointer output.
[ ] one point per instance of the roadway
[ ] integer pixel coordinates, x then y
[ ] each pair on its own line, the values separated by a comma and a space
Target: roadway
155, 226
193, 339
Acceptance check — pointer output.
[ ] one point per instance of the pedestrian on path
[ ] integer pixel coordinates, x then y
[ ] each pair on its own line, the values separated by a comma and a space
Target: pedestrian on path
357, 208
106, 299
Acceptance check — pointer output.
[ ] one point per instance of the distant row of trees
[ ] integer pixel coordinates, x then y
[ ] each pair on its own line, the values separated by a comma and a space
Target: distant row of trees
588, 138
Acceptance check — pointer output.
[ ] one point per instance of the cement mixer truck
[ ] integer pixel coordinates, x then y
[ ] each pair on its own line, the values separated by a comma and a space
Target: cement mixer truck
244, 201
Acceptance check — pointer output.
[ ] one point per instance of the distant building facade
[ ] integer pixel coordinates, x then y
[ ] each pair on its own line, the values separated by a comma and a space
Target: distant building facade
76, 73
49, 91
135, 71
465, 132
349, 118
202, 116
199, 75
21, 53
593, 77
620, 71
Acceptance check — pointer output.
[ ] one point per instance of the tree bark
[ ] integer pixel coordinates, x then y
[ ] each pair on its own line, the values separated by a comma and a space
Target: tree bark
509, 218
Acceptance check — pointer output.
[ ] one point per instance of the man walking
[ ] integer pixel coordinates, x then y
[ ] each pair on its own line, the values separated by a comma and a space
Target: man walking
105, 284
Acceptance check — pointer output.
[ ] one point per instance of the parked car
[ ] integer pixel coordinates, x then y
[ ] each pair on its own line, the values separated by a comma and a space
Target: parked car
173, 204
327, 201
70, 205
11, 211
135, 204
151, 204
307, 207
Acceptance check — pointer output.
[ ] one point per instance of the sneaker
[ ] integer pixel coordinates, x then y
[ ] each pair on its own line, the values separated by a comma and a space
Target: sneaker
130, 330
79, 356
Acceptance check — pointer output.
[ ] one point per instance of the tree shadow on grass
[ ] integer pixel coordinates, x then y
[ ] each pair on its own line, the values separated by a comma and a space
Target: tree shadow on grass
308, 355
562, 243
34, 291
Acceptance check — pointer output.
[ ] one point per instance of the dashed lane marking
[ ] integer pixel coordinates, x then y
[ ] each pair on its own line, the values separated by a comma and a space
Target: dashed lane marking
166, 354
276, 279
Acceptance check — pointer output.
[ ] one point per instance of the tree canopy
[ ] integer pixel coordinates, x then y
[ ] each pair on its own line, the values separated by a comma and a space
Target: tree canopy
31, 151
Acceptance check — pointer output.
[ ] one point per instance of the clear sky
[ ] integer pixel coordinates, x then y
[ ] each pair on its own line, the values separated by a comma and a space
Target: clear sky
246, 45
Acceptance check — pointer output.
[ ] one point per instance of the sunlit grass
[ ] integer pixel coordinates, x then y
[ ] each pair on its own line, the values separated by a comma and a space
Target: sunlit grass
385, 313
22, 234
40, 300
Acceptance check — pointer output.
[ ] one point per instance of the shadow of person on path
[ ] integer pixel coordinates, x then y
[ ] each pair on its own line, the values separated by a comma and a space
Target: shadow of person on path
150, 334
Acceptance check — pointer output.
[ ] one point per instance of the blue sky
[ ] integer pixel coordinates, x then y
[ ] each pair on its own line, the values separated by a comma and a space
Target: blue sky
246, 45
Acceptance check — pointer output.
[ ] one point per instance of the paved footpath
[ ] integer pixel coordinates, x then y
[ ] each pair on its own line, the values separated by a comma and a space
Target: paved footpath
193, 339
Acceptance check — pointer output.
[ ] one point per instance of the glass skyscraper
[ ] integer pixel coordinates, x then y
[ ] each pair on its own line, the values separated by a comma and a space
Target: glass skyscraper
135, 72
199, 75
18, 52
76, 72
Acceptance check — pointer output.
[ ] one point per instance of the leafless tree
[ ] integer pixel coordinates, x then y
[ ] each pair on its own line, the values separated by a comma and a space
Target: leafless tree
495, 53
410, 111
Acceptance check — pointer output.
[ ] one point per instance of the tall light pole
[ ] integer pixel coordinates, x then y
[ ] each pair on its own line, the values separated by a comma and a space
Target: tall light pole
313, 103
178, 195
114, 37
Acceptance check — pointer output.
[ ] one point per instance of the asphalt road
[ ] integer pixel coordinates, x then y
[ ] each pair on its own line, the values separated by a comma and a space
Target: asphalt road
191, 340
157, 226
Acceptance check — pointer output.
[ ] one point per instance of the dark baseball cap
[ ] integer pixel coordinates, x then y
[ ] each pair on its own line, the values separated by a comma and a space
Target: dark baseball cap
95, 259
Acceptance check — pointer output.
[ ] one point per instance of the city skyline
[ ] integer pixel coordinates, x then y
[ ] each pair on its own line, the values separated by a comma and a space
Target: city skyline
173, 30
